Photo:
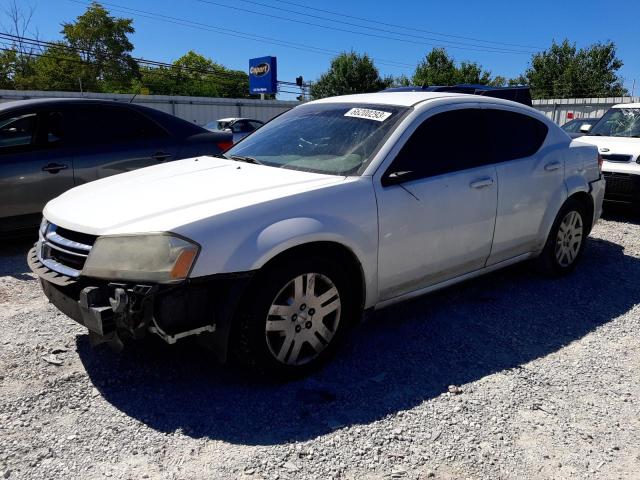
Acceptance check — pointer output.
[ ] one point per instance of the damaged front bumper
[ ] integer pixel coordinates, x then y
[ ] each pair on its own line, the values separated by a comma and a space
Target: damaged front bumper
202, 306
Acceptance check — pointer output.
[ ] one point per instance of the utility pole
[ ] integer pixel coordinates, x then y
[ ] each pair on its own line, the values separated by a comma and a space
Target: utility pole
633, 89
80, 82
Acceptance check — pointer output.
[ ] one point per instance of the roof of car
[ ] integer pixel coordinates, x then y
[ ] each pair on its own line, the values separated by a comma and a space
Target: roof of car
627, 105
410, 99
235, 119
176, 125
53, 100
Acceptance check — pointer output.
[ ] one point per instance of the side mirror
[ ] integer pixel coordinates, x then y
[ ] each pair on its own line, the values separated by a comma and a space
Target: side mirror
396, 178
585, 128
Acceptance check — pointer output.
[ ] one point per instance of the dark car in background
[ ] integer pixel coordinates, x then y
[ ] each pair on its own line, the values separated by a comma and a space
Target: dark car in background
48, 146
579, 127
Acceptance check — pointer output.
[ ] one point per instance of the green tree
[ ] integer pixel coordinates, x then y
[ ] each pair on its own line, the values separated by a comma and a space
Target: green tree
61, 68
103, 41
439, 68
194, 75
350, 73
16, 61
7, 68
564, 71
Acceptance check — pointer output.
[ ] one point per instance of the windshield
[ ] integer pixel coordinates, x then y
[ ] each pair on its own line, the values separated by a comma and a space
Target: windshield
574, 125
216, 125
619, 122
331, 138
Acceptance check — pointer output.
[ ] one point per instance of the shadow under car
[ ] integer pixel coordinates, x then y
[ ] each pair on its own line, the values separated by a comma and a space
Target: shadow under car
403, 356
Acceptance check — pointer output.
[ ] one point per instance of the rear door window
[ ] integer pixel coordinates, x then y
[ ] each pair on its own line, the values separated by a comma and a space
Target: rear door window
53, 128
100, 124
446, 142
513, 135
17, 131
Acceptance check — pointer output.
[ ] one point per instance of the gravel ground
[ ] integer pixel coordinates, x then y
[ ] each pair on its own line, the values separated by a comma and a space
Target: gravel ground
508, 376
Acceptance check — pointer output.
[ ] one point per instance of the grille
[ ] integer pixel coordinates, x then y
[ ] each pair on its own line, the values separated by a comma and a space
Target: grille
614, 157
64, 251
619, 183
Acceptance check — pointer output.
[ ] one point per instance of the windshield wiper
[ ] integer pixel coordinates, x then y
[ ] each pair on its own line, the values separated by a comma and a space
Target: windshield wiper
242, 158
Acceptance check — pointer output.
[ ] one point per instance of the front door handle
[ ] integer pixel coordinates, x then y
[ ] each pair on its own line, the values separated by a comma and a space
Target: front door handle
54, 167
160, 156
553, 166
481, 183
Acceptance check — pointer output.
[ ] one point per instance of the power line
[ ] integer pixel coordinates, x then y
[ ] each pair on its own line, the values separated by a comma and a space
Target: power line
549, 92
152, 72
154, 63
431, 32
161, 69
384, 30
384, 37
233, 33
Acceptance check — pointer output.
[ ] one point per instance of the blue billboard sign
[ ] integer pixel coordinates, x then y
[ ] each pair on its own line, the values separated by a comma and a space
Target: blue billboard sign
263, 75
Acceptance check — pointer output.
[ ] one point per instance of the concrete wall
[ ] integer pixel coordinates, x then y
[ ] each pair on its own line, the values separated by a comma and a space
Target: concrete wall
559, 109
201, 110
198, 110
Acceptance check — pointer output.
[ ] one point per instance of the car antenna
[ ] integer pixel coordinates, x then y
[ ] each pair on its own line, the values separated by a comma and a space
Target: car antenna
133, 98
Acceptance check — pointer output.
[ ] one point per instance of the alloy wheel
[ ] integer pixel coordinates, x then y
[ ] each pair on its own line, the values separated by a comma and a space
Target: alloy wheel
302, 319
569, 239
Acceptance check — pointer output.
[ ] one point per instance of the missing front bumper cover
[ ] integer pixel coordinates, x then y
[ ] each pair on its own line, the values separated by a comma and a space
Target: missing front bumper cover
202, 307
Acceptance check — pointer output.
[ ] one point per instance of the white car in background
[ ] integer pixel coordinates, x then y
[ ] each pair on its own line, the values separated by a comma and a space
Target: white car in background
272, 252
617, 136
240, 127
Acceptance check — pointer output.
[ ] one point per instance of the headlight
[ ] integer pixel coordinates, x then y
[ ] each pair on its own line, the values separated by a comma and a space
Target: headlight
158, 258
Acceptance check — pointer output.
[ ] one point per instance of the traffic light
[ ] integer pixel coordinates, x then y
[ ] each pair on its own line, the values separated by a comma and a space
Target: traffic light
299, 81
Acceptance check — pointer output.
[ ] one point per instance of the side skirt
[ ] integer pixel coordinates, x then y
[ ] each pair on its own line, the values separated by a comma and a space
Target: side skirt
453, 281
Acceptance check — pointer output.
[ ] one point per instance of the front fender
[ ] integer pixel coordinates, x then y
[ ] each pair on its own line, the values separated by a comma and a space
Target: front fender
276, 238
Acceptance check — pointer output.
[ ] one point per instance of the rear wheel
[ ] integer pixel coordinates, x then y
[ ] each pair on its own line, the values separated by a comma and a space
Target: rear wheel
294, 316
566, 240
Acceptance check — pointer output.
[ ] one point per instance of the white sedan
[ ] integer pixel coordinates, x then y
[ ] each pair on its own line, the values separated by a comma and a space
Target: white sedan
270, 253
240, 127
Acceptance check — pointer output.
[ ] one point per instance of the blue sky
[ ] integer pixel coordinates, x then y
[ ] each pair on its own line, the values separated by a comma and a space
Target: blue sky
467, 30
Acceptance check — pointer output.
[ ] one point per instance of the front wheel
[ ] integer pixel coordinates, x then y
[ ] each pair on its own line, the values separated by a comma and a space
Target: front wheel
294, 315
566, 240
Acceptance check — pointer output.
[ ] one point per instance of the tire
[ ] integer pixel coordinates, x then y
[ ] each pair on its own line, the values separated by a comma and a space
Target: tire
294, 315
566, 241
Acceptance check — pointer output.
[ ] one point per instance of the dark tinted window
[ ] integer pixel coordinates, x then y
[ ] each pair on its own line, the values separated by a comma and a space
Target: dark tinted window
17, 130
98, 124
255, 125
446, 142
241, 126
53, 128
512, 135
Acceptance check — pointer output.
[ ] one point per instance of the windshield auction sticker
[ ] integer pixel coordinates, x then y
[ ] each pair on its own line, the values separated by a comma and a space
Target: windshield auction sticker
377, 115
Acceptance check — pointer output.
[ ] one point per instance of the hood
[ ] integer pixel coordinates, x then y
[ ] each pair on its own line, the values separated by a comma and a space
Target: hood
614, 145
165, 197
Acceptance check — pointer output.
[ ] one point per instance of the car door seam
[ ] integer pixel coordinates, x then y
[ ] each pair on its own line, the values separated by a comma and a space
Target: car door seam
495, 217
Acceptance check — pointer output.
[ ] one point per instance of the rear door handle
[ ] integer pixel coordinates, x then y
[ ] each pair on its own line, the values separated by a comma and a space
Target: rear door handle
54, 167
160, 156
553, 166
481, 183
